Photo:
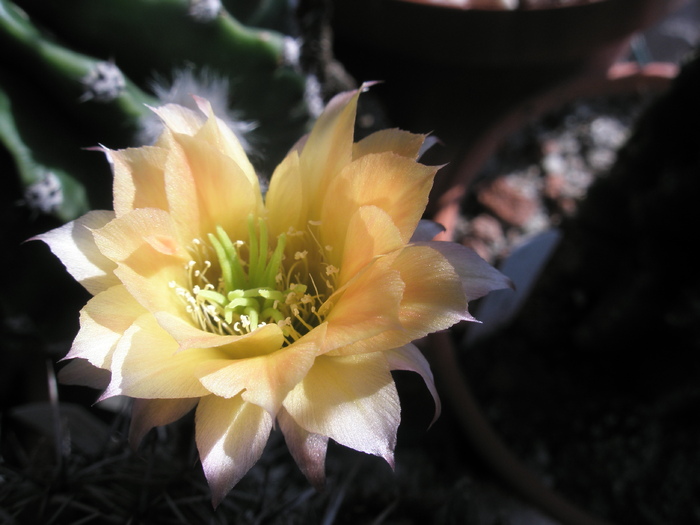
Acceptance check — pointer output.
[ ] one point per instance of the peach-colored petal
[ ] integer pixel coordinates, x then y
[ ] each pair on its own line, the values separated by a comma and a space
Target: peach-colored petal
143, 244
74, 245
370, 233
217, 133
265, 340
432, 300
410, 358
150, 413
266, 379
397, 141
435, 294
298, 146
220, 186
138, 178
82, 372
328, 148
231, 436
180, 119
122, 237
285, 200
181, 190
477, 276
103, 321
395, 184
146, 364
307, 449
352, 400
369, 305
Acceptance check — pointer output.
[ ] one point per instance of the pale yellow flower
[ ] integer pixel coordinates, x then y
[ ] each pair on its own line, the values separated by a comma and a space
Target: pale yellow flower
292, 309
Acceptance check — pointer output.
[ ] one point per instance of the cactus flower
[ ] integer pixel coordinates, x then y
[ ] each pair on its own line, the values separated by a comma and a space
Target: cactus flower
287, 310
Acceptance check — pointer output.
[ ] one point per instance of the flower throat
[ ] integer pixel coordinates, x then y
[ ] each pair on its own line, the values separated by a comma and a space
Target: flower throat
246, 286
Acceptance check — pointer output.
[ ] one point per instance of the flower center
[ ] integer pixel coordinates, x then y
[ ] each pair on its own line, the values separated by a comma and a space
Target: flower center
235, 287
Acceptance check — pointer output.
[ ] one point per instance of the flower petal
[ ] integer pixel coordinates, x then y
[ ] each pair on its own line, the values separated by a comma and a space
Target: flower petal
103, 321
370, 233
264, 340
307, 449
369, 305
180, 190
146, 364
328, 148
432, 300
179, 119
410, 358
216, 132
144, 244
285, 200
352, 400
478, 277
138, 178
266, 379
150, 413
231, 436
220, 185
74, 245
397, 141
395, 184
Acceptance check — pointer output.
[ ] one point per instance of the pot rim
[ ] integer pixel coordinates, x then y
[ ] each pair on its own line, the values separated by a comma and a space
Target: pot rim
622, 77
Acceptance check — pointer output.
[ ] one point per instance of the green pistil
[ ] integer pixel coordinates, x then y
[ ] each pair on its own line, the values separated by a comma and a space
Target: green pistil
247, 292
250, 287
261, 271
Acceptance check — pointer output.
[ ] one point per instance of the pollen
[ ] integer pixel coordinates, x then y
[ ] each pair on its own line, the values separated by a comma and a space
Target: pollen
234, 287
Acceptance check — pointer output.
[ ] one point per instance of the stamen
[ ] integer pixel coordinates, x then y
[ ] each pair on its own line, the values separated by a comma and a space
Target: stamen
236, 287
252, 314
232, 255
212, 296
262, 253
275, 261
252, 251
224, 262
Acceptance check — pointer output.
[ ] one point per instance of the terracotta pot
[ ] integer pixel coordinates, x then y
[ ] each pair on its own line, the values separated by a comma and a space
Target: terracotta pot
443, 32
456, 179
454, 72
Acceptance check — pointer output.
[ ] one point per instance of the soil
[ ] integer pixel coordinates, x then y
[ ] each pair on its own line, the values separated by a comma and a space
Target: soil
540, 174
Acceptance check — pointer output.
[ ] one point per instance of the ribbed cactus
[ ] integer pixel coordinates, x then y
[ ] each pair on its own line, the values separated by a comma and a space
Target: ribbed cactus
70, 78
269, 14
96, 65
50, 185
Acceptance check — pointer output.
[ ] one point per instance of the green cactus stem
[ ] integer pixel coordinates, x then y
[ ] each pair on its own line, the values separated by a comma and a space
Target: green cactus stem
91, 90
277, 15
164, 35
47, 154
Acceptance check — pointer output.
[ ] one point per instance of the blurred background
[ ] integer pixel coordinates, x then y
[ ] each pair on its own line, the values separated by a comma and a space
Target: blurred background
569, 134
